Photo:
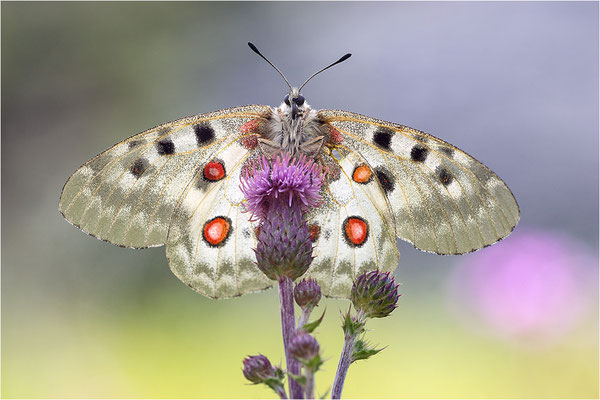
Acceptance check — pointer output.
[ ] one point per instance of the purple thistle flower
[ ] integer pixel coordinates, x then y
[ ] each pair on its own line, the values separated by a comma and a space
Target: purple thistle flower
279, 193
284, 177
375, 294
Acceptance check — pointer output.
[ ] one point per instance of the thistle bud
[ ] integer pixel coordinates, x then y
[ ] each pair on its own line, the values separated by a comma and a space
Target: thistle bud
307, 293
279, 193
375, 294
283, 247
304, 348
257, 369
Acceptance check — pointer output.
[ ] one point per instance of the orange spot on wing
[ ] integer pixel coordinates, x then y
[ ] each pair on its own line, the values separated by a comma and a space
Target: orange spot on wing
362, 174
356, 230
216, 231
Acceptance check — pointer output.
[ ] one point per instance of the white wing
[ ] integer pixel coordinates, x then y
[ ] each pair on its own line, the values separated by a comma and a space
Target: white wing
349, 209
442, 199
127, 194
211, 240
153, 189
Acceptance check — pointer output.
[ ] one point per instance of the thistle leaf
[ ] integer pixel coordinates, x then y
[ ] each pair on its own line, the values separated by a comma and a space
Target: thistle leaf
311, 326
363, 350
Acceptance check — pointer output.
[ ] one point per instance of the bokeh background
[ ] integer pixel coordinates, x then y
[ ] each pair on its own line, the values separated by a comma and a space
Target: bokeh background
513, 83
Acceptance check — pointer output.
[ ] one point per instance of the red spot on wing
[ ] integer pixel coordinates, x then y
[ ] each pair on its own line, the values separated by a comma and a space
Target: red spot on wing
362, 174
216, 231
249, 142
314, 231
250, 126
355, 229
336, 136
214, 171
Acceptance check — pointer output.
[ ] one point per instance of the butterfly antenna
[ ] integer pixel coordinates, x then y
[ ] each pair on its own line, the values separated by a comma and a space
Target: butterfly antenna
254, 49
343, 58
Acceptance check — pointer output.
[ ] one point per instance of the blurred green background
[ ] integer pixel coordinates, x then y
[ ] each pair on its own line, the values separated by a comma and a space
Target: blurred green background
515, 84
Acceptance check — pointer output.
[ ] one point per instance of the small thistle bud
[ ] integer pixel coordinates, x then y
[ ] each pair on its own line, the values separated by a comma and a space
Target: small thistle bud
375, 294
304, 347
257, 369
307, 293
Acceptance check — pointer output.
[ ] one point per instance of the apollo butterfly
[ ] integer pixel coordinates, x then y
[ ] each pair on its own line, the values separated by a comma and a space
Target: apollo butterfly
177, 185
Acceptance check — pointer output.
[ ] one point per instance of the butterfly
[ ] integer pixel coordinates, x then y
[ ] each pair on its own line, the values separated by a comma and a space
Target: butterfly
178, 184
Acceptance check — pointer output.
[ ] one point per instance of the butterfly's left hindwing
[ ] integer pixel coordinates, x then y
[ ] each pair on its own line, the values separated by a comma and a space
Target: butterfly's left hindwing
442, 199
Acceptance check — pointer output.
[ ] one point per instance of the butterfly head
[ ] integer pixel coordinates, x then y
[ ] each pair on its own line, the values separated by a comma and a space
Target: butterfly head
294, 104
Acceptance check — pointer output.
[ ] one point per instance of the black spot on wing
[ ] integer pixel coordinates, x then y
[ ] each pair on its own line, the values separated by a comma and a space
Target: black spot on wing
133, 143
446, 151
421, 138
165, 147
418, 153
138, 167
386, 180
383, 138
444, 176
205, 134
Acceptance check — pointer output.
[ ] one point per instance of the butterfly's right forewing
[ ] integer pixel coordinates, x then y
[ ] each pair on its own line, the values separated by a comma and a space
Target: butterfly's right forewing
443, 200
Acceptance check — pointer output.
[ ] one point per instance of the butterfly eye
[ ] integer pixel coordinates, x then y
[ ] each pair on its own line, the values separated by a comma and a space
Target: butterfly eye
299, 100
286, 100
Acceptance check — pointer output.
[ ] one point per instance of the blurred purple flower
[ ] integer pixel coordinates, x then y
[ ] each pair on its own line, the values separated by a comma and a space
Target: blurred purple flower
533, 286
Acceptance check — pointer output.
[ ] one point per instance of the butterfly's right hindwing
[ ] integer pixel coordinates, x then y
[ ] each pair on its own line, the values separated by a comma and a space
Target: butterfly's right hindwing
340, 257
128, 194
